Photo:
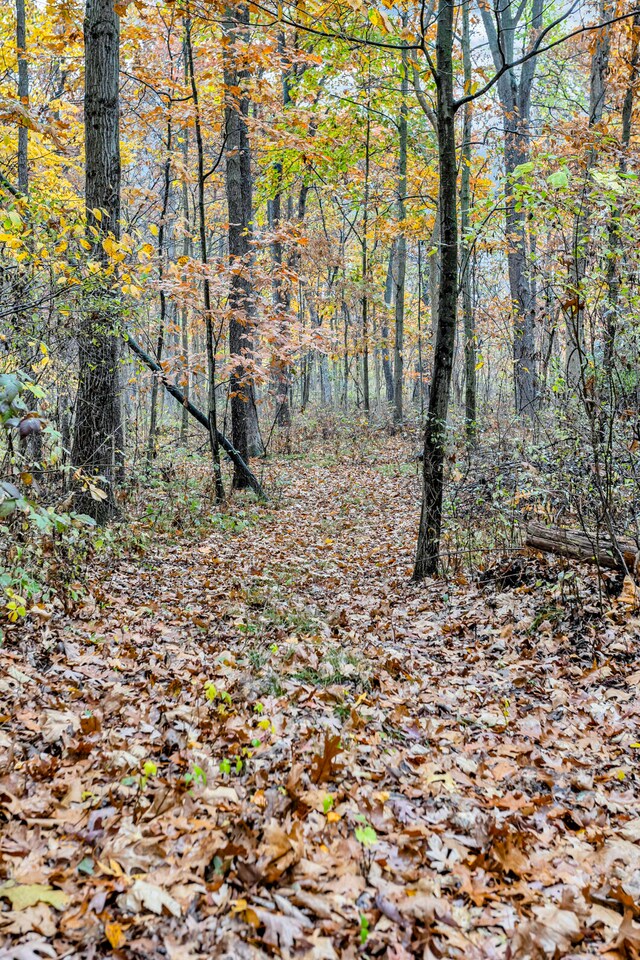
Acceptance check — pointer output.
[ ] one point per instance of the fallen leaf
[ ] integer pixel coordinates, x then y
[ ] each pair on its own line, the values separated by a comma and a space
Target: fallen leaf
23, 895
147, 896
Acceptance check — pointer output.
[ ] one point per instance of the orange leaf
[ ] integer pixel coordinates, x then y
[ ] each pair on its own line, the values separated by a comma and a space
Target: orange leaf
114, 934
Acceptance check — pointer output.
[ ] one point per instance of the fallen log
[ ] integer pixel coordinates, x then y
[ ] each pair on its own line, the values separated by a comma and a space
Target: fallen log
588, 547
226, 445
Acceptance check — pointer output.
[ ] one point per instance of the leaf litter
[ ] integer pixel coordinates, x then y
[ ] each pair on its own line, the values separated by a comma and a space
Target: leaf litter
270, 743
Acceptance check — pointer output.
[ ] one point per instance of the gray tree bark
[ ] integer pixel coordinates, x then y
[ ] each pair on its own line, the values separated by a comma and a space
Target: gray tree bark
212, 415
239, 190
465, 203
98, 415
575, 320
400, 261
23, 96
514, 93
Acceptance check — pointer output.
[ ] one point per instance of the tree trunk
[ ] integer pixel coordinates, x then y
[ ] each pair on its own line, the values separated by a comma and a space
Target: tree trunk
515, 100
23, 96
206, 289
281, 298
365, 253
384, 331
166, 192
187, 252
589, 547
427, 554
613, 262
98, 412
465, 203
401, 245
238, 185
576, 356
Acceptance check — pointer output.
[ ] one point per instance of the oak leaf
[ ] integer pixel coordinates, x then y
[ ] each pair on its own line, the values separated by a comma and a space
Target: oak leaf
324, 765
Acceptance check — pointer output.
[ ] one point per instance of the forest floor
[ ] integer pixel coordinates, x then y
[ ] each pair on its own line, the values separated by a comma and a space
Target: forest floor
266, 741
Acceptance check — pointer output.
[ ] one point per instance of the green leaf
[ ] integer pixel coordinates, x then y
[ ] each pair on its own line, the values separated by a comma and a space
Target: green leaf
523, 168
559, 179
24, 895
366, 836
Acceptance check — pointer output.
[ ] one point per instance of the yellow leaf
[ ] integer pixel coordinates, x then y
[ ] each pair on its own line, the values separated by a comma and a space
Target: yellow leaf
153, 230
114, 934
380, 20
480, 364
84, 244
97, 213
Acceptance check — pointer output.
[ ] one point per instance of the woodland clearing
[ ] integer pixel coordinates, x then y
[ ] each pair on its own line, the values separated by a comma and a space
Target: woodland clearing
268, 742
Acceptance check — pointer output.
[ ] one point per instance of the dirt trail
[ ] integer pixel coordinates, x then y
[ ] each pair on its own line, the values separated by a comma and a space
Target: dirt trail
268, 742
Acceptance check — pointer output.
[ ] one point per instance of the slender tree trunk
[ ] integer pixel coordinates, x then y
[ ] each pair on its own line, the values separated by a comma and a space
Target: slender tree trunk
384, 331
428, 549
613, 262
206, 288
365, 263
187, 252
23, 96
98, 414
420, 357
281, 299
24, 323
162, 228
345, 347
575, 320
401, 245
465, 204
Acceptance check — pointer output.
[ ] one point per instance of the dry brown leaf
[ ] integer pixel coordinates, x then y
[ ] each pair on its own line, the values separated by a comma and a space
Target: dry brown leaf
324, 765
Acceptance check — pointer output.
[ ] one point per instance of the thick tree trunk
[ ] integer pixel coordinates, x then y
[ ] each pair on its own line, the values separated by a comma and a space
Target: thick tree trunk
588, 547
515, 99
428, 549
238, 184
98, 414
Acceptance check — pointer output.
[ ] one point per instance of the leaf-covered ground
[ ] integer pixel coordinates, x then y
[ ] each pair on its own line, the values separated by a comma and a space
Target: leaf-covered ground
268, 742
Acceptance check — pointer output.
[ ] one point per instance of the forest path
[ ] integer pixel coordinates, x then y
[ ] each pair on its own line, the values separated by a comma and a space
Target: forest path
266, 741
